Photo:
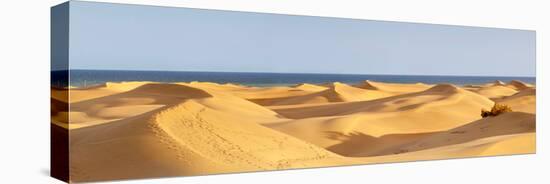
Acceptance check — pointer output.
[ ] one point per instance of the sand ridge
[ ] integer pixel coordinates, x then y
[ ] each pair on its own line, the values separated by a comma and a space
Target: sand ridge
335, 92
148, 129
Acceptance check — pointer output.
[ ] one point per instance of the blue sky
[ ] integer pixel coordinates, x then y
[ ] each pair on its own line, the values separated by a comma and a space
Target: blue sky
133, 37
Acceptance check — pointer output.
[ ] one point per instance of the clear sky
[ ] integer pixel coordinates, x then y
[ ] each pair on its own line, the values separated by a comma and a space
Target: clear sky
131, 37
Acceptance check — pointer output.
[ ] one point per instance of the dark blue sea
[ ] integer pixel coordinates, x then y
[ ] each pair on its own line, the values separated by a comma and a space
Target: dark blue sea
82, 78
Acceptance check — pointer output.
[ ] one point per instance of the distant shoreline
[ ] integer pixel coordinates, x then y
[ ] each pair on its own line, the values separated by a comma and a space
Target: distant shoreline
83, 78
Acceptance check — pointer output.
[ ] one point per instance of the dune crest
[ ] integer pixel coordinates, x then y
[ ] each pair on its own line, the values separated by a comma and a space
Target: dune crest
346, 93
336, 92
393, 87
147, 129
372, 126
518, 85
498, 83
234, 141
443, 88
495, 92
309, 87
191, 138
505, 124
439, 95
523, 101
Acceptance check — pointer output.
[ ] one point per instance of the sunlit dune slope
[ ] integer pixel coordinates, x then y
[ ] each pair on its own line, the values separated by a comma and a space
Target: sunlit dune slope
203, 133
393, 87
509, 133
147, 129
524, 101
518, 85
365, 128
506, 124
336, 92
495, 92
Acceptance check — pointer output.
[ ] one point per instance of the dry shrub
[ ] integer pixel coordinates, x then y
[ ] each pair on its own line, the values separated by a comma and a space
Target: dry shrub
496, 110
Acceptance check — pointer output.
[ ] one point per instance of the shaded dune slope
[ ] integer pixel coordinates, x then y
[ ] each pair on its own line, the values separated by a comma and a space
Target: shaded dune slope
510, 133
137, 99
506, 124
195, 136
495, 92
523, 101
336, 92
437, 96
146, 129
364, 128
393, 88
518, 85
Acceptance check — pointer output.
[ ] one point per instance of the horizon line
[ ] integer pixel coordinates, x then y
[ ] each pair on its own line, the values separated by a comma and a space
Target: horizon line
291, 73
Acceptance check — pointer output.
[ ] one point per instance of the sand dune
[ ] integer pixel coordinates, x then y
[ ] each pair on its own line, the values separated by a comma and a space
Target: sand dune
523, 143
215, 86
82, 94
518, 85
146, 129
524, 101
505, 124
194, 137
59, 94
310, 87
336, 92
495, 92
438, 96
262, 96
393, 87
510, 133
498, 83
139, 98
371, 126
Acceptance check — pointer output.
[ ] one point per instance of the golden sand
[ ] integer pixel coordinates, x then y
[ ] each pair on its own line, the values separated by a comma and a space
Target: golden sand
146, 129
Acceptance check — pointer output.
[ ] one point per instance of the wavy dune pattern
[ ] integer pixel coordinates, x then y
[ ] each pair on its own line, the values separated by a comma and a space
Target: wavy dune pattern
147, 129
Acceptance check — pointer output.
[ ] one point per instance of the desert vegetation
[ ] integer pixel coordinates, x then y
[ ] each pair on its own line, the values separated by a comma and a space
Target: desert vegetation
496, 110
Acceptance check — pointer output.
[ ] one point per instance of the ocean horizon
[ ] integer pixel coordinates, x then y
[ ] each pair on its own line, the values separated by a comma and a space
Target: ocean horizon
84, 78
